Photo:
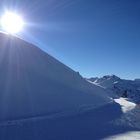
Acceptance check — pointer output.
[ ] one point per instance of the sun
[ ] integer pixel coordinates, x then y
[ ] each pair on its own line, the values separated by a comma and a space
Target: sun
11, 22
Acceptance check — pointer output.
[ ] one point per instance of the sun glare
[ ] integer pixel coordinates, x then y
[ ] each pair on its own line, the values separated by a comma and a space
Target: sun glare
11, 22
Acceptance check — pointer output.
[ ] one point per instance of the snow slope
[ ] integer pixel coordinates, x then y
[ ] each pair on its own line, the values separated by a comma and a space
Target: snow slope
41, 98
34, 83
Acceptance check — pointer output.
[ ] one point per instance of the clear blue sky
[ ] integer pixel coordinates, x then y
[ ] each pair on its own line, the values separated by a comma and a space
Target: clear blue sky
94, 37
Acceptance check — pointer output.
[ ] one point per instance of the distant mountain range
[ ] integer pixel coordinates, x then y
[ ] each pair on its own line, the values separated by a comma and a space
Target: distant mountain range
121, 87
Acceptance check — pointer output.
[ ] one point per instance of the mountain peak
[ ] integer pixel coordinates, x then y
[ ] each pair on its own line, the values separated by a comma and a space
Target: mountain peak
110, 77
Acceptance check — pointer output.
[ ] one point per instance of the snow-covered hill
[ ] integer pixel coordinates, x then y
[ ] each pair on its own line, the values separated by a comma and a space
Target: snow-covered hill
41, 98
34, 83
125, 88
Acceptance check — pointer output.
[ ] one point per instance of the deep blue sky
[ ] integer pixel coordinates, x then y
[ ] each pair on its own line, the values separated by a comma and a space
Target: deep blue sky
94, 37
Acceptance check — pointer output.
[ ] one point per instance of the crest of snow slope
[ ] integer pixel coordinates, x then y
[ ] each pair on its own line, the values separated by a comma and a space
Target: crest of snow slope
34, 83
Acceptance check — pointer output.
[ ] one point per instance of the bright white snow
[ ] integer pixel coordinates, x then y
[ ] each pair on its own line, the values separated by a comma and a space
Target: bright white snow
125, 105
126, 136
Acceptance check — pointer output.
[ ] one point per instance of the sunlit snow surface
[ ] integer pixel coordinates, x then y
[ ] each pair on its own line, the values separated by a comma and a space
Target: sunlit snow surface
125, 105
126, 136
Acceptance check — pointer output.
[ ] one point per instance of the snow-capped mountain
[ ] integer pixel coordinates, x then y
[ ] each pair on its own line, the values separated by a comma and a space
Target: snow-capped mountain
125, 88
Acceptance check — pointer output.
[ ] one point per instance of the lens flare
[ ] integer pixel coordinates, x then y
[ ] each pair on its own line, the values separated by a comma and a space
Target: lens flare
11, 22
